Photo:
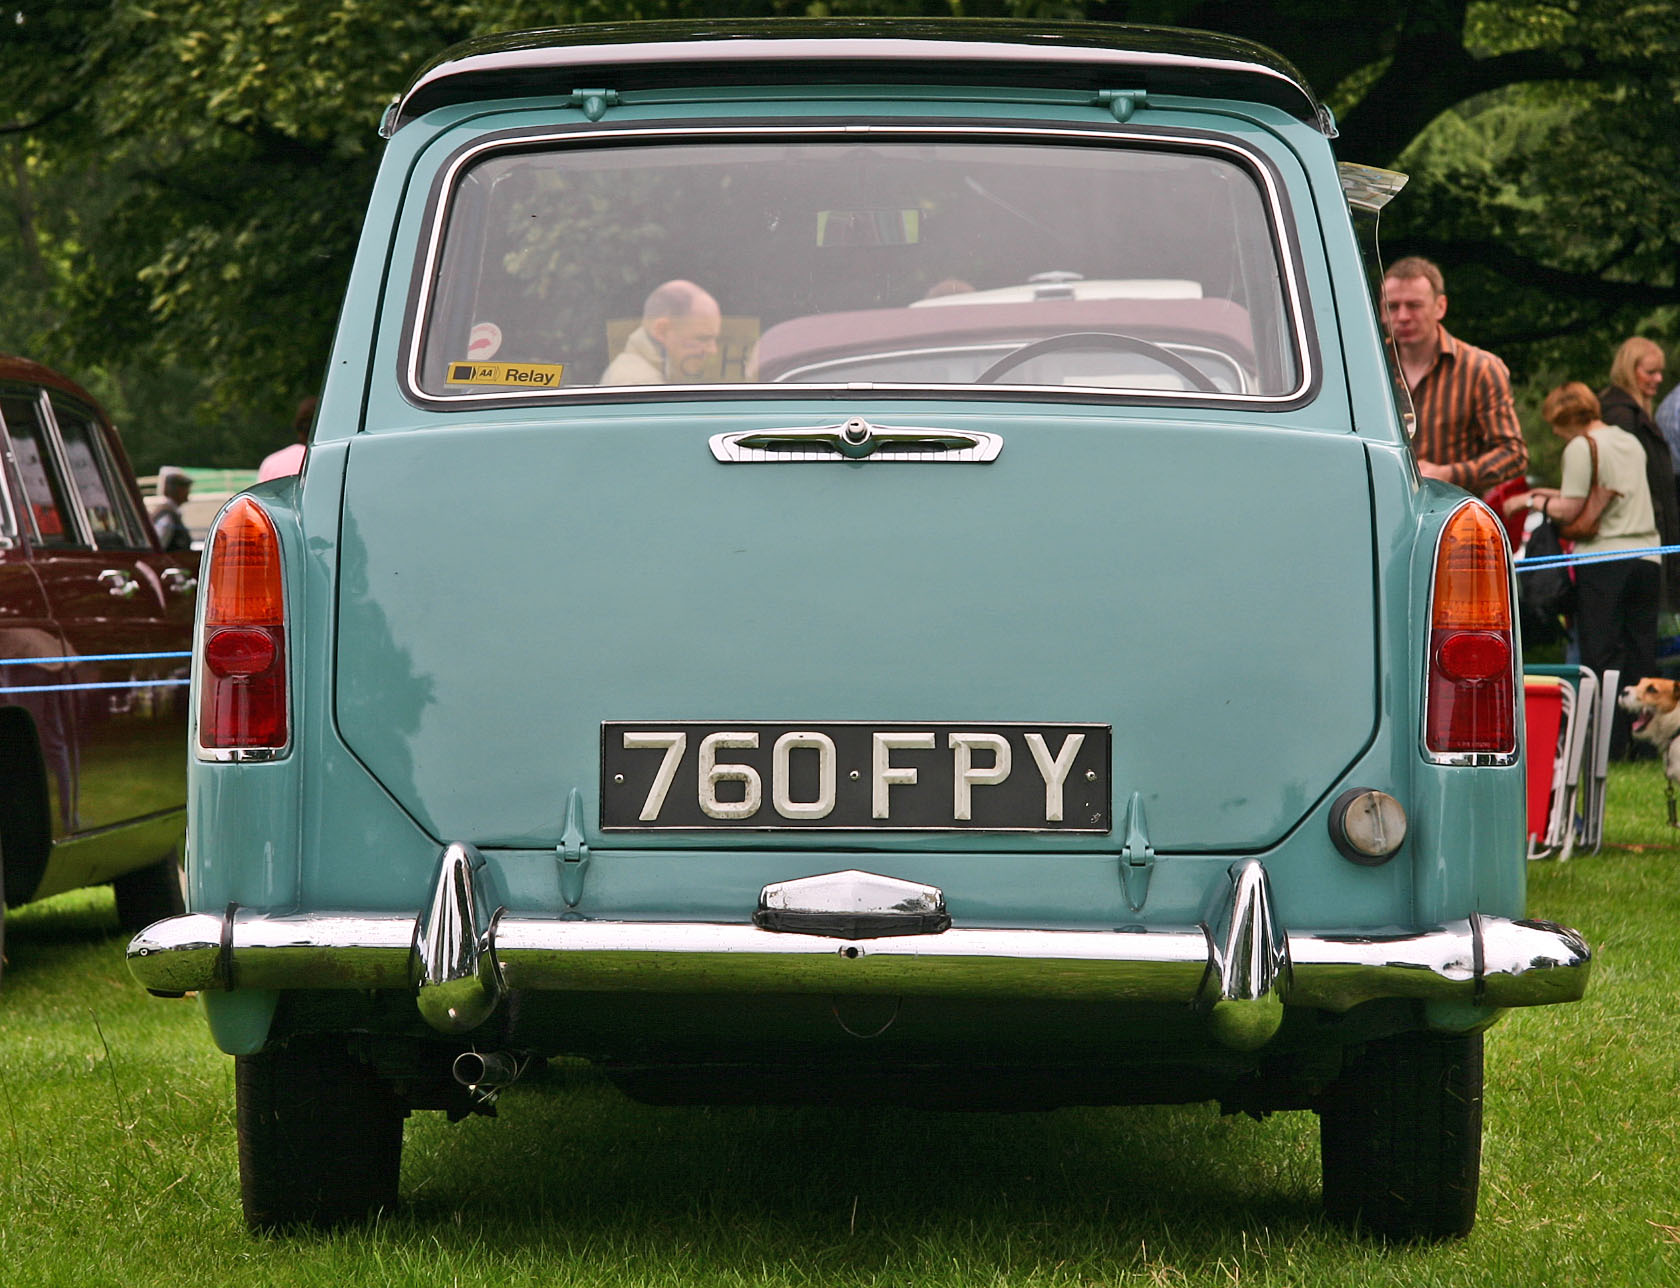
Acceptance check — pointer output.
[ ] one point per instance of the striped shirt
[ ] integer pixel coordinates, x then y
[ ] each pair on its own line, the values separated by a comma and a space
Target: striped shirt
1466, 420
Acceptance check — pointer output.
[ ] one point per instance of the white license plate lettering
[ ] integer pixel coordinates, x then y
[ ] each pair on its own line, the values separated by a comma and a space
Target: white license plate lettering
759, 775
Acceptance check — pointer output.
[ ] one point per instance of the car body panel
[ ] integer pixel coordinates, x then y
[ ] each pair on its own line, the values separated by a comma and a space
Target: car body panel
95, 633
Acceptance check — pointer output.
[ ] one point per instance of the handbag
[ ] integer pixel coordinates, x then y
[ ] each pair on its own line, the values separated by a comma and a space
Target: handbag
1584, 525
1546, 595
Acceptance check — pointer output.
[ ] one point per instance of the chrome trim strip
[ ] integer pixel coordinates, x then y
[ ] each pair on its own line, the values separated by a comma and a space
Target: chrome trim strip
680, 133
1244, 962
857, 440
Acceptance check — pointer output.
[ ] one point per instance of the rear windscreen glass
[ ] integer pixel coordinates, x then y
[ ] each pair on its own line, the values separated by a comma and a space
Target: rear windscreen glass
1136, 269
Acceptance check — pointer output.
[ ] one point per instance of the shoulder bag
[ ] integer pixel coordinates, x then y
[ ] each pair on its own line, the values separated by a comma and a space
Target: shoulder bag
1584, 526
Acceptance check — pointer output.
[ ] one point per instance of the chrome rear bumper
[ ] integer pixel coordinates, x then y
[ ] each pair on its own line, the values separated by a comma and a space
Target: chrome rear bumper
1239, 965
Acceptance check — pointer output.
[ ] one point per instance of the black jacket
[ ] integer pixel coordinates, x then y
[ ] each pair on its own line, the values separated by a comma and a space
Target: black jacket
1619, 408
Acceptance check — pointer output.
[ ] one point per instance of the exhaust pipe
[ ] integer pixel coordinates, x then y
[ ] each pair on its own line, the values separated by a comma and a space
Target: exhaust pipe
485, 1073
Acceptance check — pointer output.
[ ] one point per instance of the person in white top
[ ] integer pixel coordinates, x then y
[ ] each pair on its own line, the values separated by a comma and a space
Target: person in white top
1616, 600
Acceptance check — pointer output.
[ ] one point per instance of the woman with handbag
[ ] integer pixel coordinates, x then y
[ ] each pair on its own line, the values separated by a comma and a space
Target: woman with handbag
1603, 506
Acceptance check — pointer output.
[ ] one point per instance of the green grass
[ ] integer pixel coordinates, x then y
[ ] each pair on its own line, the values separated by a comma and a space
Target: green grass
117, 1163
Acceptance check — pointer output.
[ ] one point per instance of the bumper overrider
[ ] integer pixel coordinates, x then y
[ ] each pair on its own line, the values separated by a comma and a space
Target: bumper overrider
857, 933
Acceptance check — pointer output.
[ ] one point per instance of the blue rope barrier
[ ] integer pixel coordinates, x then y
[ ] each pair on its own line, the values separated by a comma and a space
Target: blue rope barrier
1603, 556
90, 657
106, 684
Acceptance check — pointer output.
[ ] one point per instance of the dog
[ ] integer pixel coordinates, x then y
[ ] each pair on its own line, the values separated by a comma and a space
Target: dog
1655, 707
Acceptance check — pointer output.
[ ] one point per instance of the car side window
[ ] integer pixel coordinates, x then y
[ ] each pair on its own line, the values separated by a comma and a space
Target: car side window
44, 500
98, 480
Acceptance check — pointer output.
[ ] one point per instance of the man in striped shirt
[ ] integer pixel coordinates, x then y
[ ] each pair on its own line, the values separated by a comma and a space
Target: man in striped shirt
1467, 429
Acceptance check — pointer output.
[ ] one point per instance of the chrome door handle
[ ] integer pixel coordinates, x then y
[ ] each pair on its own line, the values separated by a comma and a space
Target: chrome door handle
122, 585
180, 581
856, 439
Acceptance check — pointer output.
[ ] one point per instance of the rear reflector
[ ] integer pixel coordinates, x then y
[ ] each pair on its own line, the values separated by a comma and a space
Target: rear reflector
243, 698
1471, 694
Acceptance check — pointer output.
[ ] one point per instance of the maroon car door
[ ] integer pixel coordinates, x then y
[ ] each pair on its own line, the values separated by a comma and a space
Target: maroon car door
122, 679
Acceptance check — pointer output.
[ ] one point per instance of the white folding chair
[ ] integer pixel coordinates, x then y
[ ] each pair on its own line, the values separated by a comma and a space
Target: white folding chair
1598, 766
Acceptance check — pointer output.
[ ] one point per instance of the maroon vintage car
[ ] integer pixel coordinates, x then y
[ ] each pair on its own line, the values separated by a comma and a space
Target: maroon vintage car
95, 622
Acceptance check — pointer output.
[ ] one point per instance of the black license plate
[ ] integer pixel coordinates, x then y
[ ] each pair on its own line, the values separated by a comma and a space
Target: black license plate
755, 775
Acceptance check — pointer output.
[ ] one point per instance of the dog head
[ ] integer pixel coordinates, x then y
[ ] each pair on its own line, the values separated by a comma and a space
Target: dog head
1655, 707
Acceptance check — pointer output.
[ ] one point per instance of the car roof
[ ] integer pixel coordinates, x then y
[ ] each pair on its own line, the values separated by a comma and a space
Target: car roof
654, 55
23, 369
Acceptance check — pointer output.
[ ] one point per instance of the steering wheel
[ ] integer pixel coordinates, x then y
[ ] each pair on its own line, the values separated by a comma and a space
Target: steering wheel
1110, 339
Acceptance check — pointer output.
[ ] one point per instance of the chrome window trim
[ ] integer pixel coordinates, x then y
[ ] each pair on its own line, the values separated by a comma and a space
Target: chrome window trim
445, 187
53, 463
110, 477
1473, 759
11, 521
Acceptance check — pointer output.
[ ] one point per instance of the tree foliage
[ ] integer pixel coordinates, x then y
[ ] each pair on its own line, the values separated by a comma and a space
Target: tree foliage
181, 181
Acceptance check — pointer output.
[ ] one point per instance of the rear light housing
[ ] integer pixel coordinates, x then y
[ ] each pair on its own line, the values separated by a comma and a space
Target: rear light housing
244, 698
1470, 682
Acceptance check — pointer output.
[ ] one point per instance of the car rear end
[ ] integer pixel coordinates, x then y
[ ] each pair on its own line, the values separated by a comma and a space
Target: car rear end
1075, 699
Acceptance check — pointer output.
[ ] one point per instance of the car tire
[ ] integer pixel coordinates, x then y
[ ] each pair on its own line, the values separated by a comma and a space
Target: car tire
149, 894
2, 914
320, 1136
1400, 1134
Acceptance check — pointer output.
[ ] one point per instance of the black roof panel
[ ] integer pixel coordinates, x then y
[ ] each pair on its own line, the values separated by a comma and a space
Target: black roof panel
654, 55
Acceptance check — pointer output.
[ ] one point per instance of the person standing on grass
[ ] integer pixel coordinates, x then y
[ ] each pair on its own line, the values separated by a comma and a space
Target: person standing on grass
1616, 600
1467, 428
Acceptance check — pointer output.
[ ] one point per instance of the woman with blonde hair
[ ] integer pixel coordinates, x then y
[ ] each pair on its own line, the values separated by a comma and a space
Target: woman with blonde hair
1616, 600
1636, 373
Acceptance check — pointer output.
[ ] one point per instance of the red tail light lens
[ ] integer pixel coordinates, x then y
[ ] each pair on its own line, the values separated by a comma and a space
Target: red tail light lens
243, 698
1470, 703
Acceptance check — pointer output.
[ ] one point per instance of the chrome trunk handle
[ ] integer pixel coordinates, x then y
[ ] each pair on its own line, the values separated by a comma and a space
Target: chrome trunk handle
855, 440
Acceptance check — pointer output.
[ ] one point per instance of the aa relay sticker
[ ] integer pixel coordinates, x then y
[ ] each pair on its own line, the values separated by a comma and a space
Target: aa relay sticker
540, 375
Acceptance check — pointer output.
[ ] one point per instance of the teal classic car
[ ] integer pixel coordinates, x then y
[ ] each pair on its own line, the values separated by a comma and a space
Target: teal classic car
856, 562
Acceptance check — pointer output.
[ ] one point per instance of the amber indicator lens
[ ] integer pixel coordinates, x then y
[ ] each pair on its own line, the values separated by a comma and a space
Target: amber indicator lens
245, 584
1472, 580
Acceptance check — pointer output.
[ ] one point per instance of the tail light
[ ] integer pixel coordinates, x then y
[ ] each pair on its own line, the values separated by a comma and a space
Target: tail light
1470, 697
243, 705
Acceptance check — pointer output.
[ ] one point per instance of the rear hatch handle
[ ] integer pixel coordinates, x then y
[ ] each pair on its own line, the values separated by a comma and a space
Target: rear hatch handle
856, 439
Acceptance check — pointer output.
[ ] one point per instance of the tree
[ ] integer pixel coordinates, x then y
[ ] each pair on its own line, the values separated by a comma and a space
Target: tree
181, 184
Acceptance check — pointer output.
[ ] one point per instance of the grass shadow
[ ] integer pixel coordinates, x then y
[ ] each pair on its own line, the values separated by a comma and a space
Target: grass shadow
864, 1192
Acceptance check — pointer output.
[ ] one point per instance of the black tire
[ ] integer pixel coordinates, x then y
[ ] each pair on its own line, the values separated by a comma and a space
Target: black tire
2, 914
149, 894
1401, 1137
320, 1136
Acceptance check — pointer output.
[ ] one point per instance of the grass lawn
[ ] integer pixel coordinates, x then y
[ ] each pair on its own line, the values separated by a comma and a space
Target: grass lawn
117, 1161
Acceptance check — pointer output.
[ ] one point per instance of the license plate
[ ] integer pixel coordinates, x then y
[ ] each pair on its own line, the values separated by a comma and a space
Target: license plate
756, 775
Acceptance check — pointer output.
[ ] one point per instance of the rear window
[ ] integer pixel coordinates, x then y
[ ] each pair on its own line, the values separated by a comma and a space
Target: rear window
1135, 268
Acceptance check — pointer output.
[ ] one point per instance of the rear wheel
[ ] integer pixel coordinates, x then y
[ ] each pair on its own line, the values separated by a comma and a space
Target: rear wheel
149, 894
320, 1136
1401, 1137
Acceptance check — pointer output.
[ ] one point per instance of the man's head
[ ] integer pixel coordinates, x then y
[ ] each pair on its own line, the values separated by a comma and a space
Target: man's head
174, 484
684, 321
1414, 302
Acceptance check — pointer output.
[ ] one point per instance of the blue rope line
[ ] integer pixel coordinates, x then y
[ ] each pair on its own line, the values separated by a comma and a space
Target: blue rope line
1603, 556
108, 684
90, 657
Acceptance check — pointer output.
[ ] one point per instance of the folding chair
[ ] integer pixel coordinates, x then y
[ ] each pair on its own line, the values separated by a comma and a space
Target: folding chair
1548, 709
1598, 765
1581, 717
